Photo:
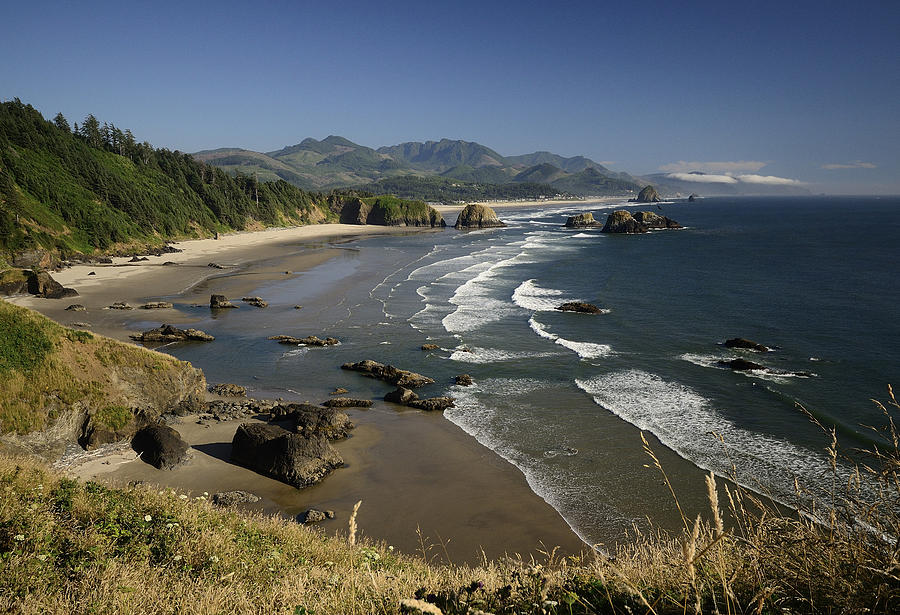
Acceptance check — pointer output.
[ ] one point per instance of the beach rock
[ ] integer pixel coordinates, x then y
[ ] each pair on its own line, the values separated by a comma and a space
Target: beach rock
432, 404
740, 342
157, 305
138, 259
579, 306
14, 282
309, 420
161, 446
228, 390
298, 307
311, 340
230, 498
216, 266
339, 391
584, 220
347, 402
314, 516
76, 307
694, 196
401, 395
227, 410
464, 380
620, 221
169, 263
218, 302
256, 301
43, 285
430, 347
93, 273
119, 305
653, 220
389, 373
647, 195
741, 365
289, 457
34, 259
168, 333
477, 216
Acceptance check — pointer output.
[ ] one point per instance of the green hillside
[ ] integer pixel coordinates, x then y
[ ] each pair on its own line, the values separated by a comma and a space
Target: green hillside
83, 189
544, 173
444, 190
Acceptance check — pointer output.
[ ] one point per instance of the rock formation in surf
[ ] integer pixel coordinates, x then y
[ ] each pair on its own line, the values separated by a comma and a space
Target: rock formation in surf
621, 221
477, 216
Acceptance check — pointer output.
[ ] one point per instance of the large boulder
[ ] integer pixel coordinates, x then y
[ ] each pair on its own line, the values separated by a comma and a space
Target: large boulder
401, 395
653, 220
694, 196
743, 343
477, 216
347, 402
161, 446
309, 420
289, 457
168, 333
584, 220
741, 365
42, 284
620, 221
647, 195
227, 389
579, 306
389, 373
432, 404
231, 498
310, 340
218, 302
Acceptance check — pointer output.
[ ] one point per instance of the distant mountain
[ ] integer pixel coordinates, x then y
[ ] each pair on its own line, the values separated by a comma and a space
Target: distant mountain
544, 173
570, 165
444, 154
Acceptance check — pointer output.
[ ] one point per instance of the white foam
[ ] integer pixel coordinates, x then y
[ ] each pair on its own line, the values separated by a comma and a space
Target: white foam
688, 424
494, 355
768, 373
585, 236
530, 296
585, 350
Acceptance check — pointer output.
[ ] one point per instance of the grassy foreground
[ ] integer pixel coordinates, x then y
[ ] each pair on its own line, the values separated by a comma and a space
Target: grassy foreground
70, 547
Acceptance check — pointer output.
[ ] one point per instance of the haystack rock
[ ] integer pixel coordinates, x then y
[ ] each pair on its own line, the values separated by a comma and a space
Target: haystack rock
280, 454
584, 220
653, 220
477, 216
694, 196
647, 195
620, 221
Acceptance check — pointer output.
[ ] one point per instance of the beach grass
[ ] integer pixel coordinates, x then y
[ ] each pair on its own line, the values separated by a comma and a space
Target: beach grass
73, 547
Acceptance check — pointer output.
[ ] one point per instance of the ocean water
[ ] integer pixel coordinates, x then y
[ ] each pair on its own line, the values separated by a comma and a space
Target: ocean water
565, 396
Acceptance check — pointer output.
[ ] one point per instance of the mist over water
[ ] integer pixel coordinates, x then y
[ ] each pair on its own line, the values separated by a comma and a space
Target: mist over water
563, 395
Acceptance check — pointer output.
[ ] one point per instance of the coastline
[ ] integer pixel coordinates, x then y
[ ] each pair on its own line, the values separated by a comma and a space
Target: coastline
413, 470
456, 207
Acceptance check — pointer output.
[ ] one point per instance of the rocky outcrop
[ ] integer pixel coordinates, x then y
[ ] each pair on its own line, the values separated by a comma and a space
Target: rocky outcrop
218, 302
232, 498
579, 306
647, 195
157, 305
741, 365
76, 307
229, 410
401, 395
161, 446
740, 342
694, 196
35, 259
311, 340
255, 301
228, 390
347, 402
463, 380
621, 221
477, 216
309, 420
285, 456
652, 220
168, 333
389, 211
314, 516
42, 284
432, 404
119, 305
585, 220
430, 347
389, 373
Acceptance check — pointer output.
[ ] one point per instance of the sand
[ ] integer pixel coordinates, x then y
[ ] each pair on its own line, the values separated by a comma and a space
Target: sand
415, 472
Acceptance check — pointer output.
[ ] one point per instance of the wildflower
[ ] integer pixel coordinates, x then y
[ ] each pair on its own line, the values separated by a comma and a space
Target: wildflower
148, 518
177, 558
214, 559
42, 557
19, 537
182, 497
390, 548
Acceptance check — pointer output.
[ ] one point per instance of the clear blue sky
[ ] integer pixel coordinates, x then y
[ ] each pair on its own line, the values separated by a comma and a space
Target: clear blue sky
802, 90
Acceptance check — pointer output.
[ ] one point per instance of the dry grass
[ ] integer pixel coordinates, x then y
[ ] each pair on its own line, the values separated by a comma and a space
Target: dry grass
67, 547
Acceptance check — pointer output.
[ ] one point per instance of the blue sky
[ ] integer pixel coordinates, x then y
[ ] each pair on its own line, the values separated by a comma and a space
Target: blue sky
803, 90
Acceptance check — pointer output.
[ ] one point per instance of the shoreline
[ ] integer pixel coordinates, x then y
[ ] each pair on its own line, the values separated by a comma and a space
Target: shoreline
463, 496
456, 207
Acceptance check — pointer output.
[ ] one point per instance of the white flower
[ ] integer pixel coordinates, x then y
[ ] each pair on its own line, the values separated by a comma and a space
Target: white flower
19, 537
214, 559
182, 497
177, 558
148, 518
42, 557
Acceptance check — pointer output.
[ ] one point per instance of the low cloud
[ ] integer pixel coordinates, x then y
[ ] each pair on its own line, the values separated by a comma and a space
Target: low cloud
769, 180
738, 166
856, 164
703, 179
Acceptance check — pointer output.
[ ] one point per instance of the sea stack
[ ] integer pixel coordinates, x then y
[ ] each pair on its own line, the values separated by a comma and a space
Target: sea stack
653, 220
648, 195
585, 220
477, 216
620, 221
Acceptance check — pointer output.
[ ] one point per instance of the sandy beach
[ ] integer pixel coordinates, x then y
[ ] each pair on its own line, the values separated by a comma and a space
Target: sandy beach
415, 472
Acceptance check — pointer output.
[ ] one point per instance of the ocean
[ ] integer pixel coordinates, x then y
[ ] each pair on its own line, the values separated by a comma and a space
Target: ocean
565, 396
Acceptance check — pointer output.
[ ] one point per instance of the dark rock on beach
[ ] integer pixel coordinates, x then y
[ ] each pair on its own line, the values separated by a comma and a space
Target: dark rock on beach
585, 220
76, 307
289, 457
230, 498
653, 220
314, 516
161, 446
740, 342
741, 365
464, 380
168, 333
347, 402
157, 305
218, 302
43, 285
228, 390
119, 305
255, 301
477, 216
621, 221
432, 404
389, 373
401, 395
311, 340
579, 306
309, 420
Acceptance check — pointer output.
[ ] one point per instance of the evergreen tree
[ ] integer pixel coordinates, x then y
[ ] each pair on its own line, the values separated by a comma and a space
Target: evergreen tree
61, 122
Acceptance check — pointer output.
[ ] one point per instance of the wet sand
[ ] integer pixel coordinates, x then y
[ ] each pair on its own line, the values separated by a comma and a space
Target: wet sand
411, 469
